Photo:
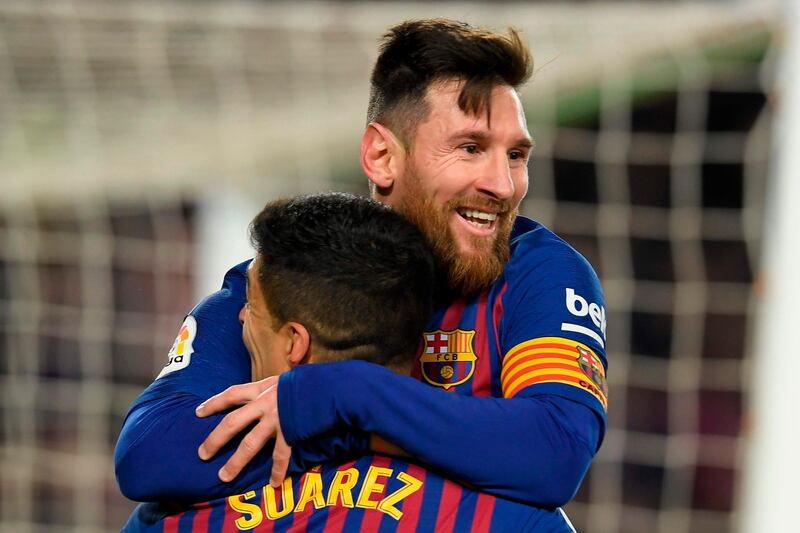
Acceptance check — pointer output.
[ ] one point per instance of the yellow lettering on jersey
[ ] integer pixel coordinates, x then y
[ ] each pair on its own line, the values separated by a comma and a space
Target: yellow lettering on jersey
372, 486
254, 516
311, 492
387, 505
342, 487
287, 500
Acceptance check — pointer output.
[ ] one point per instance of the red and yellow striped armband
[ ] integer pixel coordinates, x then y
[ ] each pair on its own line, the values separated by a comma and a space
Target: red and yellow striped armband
554, 360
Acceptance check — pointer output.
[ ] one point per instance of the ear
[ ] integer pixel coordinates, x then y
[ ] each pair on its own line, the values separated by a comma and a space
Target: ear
297, 344
382, 156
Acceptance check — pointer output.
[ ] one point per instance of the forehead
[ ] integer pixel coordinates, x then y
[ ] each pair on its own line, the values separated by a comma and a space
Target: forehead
507, 115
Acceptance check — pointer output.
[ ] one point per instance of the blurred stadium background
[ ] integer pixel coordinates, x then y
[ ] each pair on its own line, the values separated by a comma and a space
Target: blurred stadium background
138, 138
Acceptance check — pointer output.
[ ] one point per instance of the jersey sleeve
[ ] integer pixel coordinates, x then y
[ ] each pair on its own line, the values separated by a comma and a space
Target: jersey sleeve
552, 334
525, 448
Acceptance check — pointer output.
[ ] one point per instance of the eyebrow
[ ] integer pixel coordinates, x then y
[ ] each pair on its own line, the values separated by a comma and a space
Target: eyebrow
525, 142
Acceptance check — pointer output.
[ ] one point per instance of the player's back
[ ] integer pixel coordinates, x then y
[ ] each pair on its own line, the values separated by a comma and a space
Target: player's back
374, 493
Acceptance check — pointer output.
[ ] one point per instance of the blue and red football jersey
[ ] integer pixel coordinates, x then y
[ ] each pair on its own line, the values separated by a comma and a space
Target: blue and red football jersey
509, 392
374, 493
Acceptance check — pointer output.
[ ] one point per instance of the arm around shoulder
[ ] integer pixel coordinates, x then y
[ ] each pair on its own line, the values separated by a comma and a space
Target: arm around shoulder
533, 449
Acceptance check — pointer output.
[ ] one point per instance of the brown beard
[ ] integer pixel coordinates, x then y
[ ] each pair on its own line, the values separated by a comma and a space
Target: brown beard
466, 274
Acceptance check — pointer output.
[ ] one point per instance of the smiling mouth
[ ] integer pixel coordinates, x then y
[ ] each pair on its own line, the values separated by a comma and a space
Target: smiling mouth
479, 219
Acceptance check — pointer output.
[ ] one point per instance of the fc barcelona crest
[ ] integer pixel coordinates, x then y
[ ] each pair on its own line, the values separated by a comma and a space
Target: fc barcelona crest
592, 368
448, 358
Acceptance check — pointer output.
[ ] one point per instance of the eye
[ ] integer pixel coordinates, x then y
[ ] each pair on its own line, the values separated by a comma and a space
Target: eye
471, 148
516, 155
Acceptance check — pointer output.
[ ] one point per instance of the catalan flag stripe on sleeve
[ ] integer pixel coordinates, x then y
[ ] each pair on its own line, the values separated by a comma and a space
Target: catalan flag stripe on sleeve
553, 360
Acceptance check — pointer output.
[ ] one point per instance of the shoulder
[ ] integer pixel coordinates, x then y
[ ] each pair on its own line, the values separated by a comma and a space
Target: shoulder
551, 291
542, 258
217, 315
231, 294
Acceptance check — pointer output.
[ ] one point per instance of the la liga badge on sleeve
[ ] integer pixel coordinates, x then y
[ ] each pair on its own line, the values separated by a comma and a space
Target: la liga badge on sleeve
448, 357
180, 355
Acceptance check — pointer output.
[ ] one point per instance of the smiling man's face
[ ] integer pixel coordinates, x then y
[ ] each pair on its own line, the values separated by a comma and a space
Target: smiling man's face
465, 178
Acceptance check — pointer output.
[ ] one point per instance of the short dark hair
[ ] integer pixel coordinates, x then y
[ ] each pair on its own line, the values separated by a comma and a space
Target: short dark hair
416, 53
354, 272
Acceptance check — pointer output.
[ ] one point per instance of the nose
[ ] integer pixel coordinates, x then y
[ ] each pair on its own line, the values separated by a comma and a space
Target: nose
242, 313
496, 179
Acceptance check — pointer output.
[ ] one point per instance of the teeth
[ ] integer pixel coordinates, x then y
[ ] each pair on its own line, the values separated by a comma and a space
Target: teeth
480, 215
478, 224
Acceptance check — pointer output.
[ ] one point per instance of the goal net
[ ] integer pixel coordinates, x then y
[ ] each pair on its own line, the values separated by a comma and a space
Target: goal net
137, 139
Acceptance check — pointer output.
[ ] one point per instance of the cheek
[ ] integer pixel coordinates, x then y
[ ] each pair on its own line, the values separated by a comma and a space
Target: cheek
521, 185
249, 338
252, 334
440, 178
450, 185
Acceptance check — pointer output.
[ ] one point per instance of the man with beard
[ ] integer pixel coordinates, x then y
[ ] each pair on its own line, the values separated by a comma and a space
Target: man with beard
510, 395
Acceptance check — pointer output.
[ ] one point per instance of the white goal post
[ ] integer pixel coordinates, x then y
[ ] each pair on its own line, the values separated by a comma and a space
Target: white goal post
772, 468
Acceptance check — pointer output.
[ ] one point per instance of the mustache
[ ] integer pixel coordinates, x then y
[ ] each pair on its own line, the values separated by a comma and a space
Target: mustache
480, 203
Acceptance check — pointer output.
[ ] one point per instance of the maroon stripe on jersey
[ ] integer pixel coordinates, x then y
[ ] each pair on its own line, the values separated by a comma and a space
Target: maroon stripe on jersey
497, 315
481, 379
484, 508
448, 507
171, 523
452, 317
496, 388
372, 518
337, 514
335, 521
300, 523
230, 517
416, 370
229, 520
266, 525
412, 504
200, 521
